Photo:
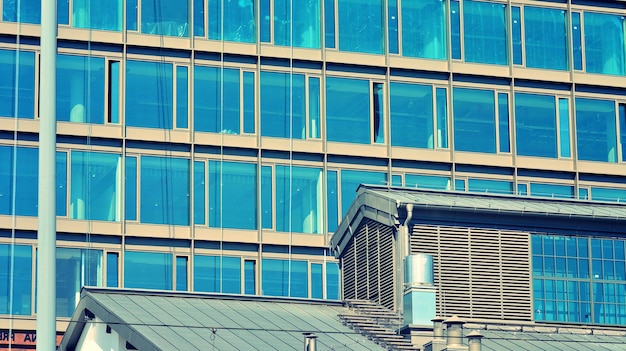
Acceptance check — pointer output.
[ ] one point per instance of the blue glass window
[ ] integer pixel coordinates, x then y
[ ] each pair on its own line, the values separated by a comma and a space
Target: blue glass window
622, 129
442, 118
216, 100
424, 29
182, 97
217, 274
596, 130
350, 181
516, 19
95, 191
392, 26
198, 18
169, 18
266, 21
427, 181
75, 268
333, 291
474, 120
149, 94
361, 26
147, 270
130, 191
348, 122
552, 190
63, 12
181, 273
114, 92
503, 122
131, 15
545, 38
535, 125
97, 14
285, 278
164, 190
604, 43
24, 177
248, 103
484, 32
412, 115
199, 192
317, 284
378, 123
455, 25
299, 199
17, 65
16, 263
314, 107
235, 18
608, 194
112, 269
332, 200
283, 105
24, 11
266, 197
232, 195
329, 23
297, 26
577, 41
489, 186
249, 277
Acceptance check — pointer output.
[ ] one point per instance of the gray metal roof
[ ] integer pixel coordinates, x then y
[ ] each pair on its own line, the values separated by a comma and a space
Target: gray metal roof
388, 206
154, 320
532, 341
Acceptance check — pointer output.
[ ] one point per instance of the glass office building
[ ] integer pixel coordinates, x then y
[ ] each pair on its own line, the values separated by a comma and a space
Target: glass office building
215, 145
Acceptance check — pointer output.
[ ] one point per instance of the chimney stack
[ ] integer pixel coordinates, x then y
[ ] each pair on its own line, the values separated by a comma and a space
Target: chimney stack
473, 341
310, 340
454, 325
438, 328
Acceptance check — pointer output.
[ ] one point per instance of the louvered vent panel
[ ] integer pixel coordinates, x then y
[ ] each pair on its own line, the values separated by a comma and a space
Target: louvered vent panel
361, 262
349, 273
387, 271
481, 273
373, 263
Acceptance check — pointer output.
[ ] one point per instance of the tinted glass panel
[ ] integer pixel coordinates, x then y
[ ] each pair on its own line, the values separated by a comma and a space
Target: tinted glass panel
455, 24
149, 94
348, 110
248, 103
165, 18
503, 122
604, 43
216, 100
164, 190
577, 41
484, 32
75, 268
361, 26
427, 181
545, 38
535, 125
552, 190
181, 273
332, 281
112, 269
474, 120
283, 105
198, 18
147, 270
285, 278
18, 71
329, 23
97, 14
564, 134
350, 181
16, 263
266, 196
314, 107
131, 15
412, 115
442, 118
199, 192
392, 26
317, 291
238, 23
424, 29
182, 97
232, 195
301, 22
299, 199
250, 277
332, 200
596, 130
130, 192
516, 24
489, 186
25, 11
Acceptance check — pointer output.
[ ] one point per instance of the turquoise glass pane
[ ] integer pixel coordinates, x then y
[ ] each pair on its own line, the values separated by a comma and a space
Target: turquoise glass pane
266, 21
552, 190
596, 130
442, 118
583, 193
216, 100
164, 190
604, 43
182, 97
516, 24
17, 69
249, 277
297, 26
248, 103
130, 189
455, 25
378, 123
411, 118
232, 195
20, 173
96, 187
114, 92
283, 105
231, 275
285, 278
198, 18
503, 122
522, 189
459, 185
75, 268
131, 15
314, 108
545, 38
112, 270
535, 125
564, 134
622, 129
24, 11
427, 181
392, 26
361, 26
149, 94
332, 199
577, 41
207, 273
63, 12
329, 23
97, 14
333, 284
170, 18
608, 194
299, 200
317, 284
147, 270
181, 273
199, 192
16, 264
350, 181
80, 89
489, 186
61, 183
424, 29
485, 32
232, 20
474, 120
267, 208
348, 122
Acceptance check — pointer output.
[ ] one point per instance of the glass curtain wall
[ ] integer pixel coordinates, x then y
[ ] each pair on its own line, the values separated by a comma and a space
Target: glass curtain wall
424, 29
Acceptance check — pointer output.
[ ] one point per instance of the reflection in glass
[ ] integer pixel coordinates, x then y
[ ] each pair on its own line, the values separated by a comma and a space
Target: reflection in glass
535, 125
596, 130
474, 120
75, 268
165, 18
424, 29
19, 268
484, 32
149, 94
164, 190
283, 105
97, 14
147, 270
17, 66
299, 199
348, 110
232, 20
361, 26
302, 22
232, 195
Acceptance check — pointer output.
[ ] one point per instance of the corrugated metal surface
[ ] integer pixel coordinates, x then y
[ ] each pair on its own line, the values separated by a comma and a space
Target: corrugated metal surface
513, 341
480, 273
164, 321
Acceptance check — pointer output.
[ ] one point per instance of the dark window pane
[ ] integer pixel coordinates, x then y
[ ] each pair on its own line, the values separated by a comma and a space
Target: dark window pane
596, 130
181, 273
112, 269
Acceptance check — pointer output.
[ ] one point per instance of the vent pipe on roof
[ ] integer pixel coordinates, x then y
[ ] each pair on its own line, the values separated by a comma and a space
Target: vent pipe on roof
438, 328
454, 326
473, 341
310, 341
419, 298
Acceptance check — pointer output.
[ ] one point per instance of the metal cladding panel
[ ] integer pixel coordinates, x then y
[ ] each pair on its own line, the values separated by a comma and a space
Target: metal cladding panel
349, 272
480, 273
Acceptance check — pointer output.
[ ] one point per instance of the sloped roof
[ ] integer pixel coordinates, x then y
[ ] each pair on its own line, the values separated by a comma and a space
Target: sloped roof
154, 320
496, 340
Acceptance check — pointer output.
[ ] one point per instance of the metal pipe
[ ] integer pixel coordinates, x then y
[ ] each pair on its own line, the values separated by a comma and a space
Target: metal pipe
473, 341
454, 326
310, 342
46, 231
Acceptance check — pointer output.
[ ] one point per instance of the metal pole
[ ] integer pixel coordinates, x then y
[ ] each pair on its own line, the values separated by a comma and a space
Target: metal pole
46, 234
